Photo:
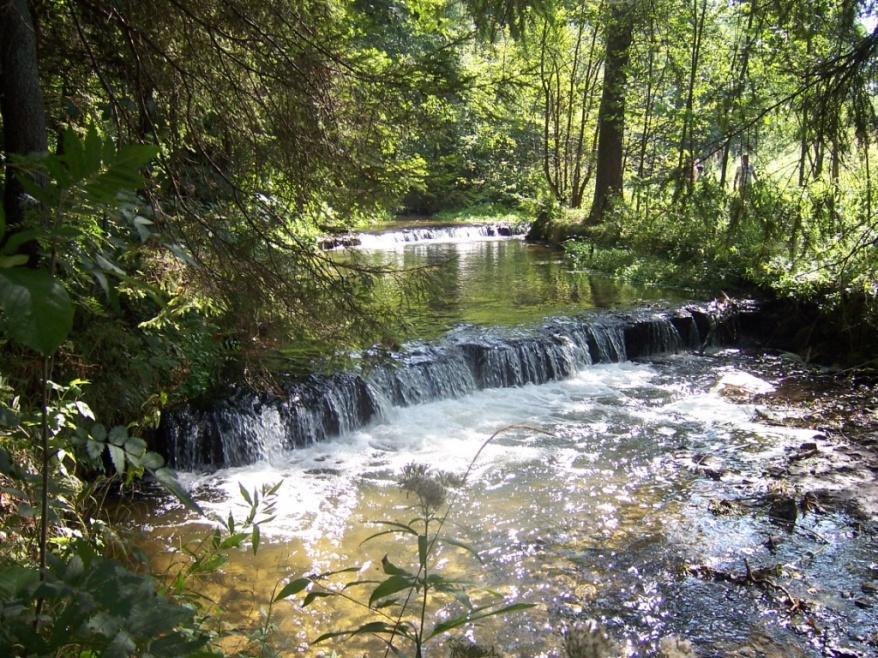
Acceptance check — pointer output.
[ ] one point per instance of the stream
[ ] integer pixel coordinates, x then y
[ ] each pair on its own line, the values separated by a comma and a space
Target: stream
680, 493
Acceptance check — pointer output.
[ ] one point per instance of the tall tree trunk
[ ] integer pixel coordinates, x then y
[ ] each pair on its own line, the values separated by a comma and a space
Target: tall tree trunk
569, 163
21, 100
547, 113
611, 115
591, 74
737, 88
685, 155
803, 144
647, 113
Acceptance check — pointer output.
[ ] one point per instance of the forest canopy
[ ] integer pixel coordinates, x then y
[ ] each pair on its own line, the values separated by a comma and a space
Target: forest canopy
272, 123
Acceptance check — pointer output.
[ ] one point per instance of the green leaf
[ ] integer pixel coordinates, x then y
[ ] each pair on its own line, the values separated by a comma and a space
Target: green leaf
117, 456
312, 596
84, 410
14, 579
423, 544
256, 538
397, 528
328, 574
99, 432
378, 627
391, 569
460, 544
92, 153
135, 446
141, 225
168, 479
234, 540
475, 615
12, 261
358, 583
39, 313
106, 265
122, 172
16, 240
292, 587
94, 448
74, 155
119, 435
245, 494
135, 156
101, 278
444, 584
390, 586
153, 461
48, 195
8, 467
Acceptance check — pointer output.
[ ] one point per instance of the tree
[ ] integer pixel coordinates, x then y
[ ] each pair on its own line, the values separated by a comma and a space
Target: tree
569, 64
611, 115
21, 104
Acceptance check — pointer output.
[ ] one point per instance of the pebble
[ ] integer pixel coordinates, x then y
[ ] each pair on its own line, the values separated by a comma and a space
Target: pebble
784, 509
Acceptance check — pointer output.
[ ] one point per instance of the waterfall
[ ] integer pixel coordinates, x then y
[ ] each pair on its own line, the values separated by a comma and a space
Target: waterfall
247, 427
392, 239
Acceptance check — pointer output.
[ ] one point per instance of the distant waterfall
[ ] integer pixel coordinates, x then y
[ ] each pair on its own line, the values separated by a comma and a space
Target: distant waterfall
249, 426
435, 234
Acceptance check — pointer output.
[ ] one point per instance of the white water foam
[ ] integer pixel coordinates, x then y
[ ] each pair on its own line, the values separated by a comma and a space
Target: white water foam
584, 412
438, 235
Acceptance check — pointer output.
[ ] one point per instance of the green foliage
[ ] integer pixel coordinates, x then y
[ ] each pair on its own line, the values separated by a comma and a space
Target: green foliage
39, 312
71, 189
84, 599
95, 606
811, 244
483, 212
53, 456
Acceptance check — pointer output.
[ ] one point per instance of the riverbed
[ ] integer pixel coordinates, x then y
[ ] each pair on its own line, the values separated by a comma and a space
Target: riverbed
691, 495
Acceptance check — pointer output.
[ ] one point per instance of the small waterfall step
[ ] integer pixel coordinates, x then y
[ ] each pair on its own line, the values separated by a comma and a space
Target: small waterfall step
248, 426
436, 234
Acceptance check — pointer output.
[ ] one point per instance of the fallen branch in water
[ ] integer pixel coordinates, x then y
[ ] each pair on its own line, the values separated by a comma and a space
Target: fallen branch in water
759, 577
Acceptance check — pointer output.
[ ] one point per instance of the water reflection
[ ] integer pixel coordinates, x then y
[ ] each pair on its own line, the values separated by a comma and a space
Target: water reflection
502, 282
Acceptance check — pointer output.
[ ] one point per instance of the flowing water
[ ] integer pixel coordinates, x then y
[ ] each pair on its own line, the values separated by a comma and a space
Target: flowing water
635, 493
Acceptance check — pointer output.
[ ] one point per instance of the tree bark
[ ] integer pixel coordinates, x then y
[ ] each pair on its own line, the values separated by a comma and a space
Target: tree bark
21, 100
611, 115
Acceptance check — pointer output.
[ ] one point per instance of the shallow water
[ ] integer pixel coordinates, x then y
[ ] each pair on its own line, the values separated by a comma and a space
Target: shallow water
596, 513
635, 494
504, 282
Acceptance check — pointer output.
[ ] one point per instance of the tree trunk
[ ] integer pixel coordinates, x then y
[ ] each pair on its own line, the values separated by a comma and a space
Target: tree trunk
547, 114
685, 154
21, 101
611, 115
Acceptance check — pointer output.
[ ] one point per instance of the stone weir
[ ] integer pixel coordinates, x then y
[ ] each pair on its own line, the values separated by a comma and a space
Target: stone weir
247, 426
391, 239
